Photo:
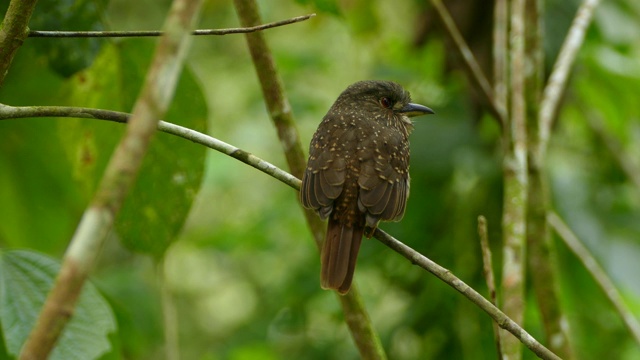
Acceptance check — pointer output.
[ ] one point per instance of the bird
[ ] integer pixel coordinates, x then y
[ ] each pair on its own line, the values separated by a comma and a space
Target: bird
357, 173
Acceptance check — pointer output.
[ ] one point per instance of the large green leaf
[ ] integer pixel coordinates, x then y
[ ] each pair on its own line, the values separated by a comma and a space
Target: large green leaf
170, 177
35, 174
25, 279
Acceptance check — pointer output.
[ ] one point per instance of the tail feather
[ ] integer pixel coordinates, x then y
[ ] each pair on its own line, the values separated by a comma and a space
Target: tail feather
339, 255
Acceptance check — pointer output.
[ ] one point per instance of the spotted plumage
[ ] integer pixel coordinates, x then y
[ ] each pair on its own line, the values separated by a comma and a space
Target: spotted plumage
358, 171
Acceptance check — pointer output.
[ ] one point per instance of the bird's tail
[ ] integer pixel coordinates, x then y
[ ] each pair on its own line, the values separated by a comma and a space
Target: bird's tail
339, 255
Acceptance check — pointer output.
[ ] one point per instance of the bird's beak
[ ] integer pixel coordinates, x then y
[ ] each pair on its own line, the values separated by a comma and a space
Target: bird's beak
412, 110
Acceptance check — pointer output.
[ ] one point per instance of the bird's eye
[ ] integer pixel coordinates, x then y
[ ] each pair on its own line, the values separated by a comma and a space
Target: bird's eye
386, 102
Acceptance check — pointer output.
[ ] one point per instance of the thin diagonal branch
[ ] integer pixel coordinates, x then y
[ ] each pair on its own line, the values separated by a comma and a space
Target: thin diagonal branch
151, 33
118, 178
445, 275
560, 73
9, 112
478, 78
599, 275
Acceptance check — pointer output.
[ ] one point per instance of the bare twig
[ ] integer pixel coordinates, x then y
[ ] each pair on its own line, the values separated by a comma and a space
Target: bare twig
119, 177
489, 277
599, 275
478, 77
558, 79
150, 33
13, 31
8, 112
355, 312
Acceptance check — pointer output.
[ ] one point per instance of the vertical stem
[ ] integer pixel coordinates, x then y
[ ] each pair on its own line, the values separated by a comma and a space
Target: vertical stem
355, 312
515, 184
13, 31
541, 260
500, 52
118, 178
541, 253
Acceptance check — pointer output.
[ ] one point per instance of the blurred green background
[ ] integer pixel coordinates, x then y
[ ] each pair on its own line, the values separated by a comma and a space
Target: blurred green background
239, 260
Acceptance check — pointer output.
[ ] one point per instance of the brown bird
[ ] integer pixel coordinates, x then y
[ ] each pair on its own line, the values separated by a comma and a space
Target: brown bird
358, 171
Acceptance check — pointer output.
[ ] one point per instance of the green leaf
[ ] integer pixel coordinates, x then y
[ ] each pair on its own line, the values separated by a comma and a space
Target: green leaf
156, 208
25, 280
35, 174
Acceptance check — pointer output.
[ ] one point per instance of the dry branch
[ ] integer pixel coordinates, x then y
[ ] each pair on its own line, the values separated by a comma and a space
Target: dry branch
17, 112
150, 33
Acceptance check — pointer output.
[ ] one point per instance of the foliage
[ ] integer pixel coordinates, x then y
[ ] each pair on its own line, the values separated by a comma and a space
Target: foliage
237, 256
25, 280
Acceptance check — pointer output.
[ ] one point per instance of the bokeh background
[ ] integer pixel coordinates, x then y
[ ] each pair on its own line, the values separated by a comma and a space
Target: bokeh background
231, 246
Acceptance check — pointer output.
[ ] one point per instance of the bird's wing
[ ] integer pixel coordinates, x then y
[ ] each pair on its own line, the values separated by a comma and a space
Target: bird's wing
384, 177
325, 174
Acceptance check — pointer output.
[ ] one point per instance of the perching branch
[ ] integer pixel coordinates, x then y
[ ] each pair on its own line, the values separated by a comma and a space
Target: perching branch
445, 275
116, 34
118, 178
9, 112
599, 275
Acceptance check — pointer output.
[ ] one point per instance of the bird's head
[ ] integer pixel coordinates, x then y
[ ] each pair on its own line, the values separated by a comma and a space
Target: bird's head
381, 101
